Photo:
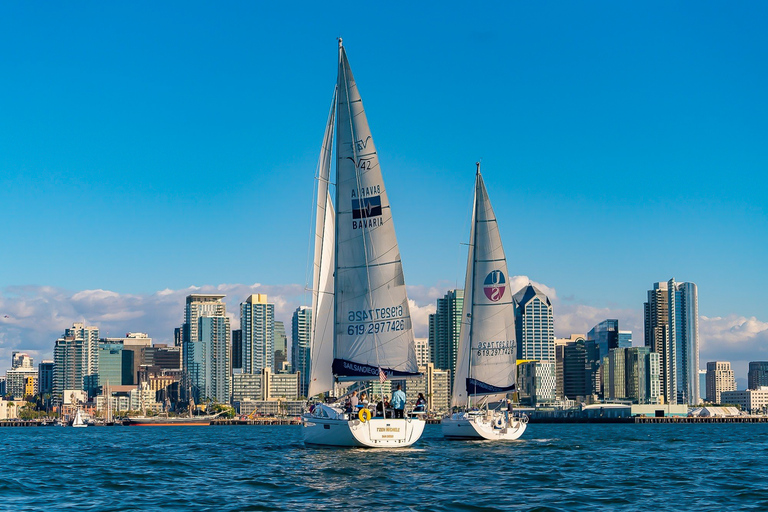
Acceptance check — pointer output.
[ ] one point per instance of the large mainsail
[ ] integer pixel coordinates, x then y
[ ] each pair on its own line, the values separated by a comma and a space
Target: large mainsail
485, 362
321, 378
373, 322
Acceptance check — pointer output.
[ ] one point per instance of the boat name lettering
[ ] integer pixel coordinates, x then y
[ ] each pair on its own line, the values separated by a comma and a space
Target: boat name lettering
388, 429
365, 315
375, 327
366, 191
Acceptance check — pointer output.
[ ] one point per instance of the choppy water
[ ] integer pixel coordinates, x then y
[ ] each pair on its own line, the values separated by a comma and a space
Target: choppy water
553, 467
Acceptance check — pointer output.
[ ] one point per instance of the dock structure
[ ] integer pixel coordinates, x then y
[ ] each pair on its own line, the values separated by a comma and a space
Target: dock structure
257, 421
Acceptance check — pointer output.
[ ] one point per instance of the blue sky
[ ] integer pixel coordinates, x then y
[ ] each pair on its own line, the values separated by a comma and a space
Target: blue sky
146, 147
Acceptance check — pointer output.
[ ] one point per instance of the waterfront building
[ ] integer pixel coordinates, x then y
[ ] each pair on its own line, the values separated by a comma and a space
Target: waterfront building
614, 374
143, 399
279, 385
16, 382
206, 350
422, 351
758, 374
643, 375
45, 377
271, 408
560, 345
2, 385
118, 404
237, 349
257, 321
445, 329
672, 330
536, 382
720, 378
9, 409
246, 386
281, 346
21, 360
301, 331
534, 325
75, 357
631, 374
751, 400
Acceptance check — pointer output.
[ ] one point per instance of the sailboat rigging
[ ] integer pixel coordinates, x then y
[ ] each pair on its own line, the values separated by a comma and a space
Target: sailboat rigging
486, 357
361, 320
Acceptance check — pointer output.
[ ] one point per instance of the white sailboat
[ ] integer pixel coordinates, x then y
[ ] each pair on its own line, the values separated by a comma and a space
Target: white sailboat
360, 315
79, 421
486, 358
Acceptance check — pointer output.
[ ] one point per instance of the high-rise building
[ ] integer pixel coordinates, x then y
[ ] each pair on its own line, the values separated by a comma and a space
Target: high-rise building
45, 377
134, 346
257, 321
445, 329
758, 374
422, 351
625, 339
75, 357
607, 335
631, 374
113, 363
281, 346
206, 349
536, 382
237, 349
301, 331
534, 325
21, 360
672, 331
720, 378
642, 375
560, 345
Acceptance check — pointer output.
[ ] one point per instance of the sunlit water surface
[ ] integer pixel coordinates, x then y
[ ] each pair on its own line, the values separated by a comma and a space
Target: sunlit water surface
552, 467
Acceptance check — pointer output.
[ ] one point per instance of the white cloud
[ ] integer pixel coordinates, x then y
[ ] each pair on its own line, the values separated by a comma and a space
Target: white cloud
32, 317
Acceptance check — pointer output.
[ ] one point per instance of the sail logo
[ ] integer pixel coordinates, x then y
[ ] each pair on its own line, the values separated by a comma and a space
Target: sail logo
494, 285
366, 212
366, 207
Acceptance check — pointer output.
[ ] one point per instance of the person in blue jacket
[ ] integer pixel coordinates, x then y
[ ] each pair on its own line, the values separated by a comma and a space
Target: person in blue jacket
398, 402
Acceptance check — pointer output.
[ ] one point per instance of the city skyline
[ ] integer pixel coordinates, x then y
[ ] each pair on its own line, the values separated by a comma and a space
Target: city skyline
606, 139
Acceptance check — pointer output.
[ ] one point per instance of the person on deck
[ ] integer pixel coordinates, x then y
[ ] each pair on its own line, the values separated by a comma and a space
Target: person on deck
421, 403
353, 401
398, 402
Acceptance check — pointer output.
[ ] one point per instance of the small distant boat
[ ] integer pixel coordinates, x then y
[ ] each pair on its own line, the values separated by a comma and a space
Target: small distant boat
486, 359
79, 421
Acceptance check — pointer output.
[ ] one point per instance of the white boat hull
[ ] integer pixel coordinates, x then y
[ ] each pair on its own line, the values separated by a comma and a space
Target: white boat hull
374, 433
491, 427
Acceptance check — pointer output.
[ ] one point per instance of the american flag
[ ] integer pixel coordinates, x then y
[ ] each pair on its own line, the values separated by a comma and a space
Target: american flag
382, 376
